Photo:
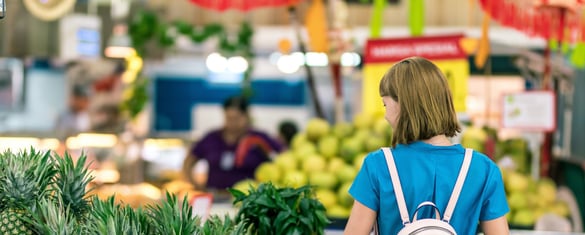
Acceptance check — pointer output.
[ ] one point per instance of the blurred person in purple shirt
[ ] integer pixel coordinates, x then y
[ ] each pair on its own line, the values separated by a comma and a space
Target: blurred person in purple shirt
232, 152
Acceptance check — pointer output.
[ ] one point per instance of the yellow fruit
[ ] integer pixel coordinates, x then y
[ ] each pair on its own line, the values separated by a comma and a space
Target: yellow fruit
314, 163
346, 173
326, 197
516, 182
343, 196
328, 146
294, 179
363, 120
335, 164
317, 128
286, 161
342, 129
323, 180
267, 172
338, 211
359, 161
524, 217
245, 185
304, 150
518, 200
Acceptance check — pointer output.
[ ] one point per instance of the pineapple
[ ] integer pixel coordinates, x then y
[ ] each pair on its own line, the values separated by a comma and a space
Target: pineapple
24, 180
172, 217
71, 182
55, 219
108, 217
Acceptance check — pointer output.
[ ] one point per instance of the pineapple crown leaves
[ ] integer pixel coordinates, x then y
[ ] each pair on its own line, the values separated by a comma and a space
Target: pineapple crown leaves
294, 210
225, 226
172, 217
71, 181
108, 217
52, 217
26, 177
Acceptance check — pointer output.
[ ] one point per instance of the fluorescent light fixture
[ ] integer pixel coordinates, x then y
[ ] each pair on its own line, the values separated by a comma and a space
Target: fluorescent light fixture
120, 44
237, 64
16, 144
91, 140
288, 64
350, 59
216, 62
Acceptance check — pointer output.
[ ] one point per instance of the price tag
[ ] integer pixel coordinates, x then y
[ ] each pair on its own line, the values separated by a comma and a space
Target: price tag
531, 110
201, 204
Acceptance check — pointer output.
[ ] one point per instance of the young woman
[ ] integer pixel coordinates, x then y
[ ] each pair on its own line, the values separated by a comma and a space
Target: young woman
419, 108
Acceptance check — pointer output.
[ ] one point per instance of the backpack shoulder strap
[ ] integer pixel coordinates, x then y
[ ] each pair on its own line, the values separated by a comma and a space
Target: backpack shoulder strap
396, 184
458, 185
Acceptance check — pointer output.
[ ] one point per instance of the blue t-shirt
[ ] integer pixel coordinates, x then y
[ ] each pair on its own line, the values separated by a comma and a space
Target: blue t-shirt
428, 173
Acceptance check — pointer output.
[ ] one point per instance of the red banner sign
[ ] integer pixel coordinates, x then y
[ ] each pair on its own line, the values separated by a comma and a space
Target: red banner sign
429, 47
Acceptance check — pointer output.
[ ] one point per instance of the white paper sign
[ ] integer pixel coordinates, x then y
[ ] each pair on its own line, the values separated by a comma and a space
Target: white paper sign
532, 110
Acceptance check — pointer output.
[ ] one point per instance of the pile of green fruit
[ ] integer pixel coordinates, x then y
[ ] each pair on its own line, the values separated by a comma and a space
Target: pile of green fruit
326, 157
529, 199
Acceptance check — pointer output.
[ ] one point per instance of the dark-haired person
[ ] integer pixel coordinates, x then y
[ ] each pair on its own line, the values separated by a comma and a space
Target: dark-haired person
233, 151
419, 108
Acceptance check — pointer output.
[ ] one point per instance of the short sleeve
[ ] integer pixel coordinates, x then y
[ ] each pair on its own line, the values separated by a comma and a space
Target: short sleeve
199, 148
363, 189
495, 204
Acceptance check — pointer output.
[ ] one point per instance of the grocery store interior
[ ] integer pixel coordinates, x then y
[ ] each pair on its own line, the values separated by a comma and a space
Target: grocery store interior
134, 86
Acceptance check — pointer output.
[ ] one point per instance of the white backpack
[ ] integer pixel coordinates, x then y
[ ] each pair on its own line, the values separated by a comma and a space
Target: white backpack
436, 226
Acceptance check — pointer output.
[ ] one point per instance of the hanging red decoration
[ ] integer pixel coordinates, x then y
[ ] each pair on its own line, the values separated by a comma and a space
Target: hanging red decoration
242, 5
560, 20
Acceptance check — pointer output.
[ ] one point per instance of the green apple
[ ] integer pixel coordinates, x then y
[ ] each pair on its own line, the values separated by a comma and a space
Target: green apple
327, 197
286, 161
317, 128
338, 211
516, 182
298, 140
518, 200
363, 120
304, 150
245, 185
314, 163
350, 148
524, 217
323, 180
375, 142
267, 172
343, 196
294, 179
346, 173
359, 161
342, 129
328, 146
546, 190
335, 164
382, 127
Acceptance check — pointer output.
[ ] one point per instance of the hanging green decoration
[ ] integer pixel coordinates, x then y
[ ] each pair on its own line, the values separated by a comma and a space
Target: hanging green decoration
416, 17
578, 55
145, 26
377, 18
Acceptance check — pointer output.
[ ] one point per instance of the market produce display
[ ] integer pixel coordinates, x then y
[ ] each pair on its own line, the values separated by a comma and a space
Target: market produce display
326, 157
530, 199
43, 193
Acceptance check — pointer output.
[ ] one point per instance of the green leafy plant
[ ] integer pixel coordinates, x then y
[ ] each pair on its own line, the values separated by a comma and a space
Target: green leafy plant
271, 210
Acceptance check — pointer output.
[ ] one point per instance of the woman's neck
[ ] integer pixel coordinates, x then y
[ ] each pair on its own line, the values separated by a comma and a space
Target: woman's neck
438, 140
232, 137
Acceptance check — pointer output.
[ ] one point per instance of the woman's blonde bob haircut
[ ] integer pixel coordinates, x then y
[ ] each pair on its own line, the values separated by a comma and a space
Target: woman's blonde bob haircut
426, 104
